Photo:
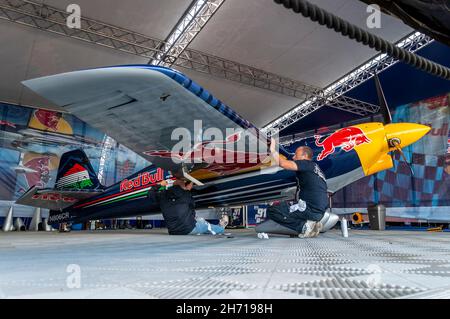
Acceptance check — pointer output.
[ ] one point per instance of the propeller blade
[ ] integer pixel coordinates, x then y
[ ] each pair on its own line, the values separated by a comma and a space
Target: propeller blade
393, 161
384, 108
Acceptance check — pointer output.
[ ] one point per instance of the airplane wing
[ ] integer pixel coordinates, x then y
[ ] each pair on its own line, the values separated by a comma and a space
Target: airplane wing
141, 106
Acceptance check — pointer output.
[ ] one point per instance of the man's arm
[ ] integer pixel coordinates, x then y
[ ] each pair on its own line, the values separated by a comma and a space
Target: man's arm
284, 163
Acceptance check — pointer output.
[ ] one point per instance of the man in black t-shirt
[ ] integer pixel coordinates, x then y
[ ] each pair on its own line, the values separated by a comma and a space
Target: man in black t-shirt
178, 209
311, 196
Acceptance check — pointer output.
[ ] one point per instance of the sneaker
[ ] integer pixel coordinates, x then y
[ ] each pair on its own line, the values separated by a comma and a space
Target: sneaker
224, 221
307, 229
263, 236
317, 229
311, 229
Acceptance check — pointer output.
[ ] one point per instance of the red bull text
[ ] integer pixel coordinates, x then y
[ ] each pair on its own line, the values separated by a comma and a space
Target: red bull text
142, 180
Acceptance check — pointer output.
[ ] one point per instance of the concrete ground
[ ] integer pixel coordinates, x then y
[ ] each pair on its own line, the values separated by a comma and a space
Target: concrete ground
152, 264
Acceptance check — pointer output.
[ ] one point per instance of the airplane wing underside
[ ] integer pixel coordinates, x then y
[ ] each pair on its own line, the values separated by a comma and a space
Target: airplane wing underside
142, 106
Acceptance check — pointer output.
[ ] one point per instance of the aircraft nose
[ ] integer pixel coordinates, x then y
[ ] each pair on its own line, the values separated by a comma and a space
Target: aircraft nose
405, 134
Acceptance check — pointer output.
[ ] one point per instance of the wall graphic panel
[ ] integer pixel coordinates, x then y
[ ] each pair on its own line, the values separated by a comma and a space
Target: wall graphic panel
33, 140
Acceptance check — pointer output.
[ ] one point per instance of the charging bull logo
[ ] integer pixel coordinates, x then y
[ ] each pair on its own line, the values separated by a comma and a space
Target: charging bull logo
40, 166
48, 119
41, 176
44, 120
217, 157
346, 138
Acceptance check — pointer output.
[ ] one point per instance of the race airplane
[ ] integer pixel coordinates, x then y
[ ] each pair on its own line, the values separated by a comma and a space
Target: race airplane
140, 106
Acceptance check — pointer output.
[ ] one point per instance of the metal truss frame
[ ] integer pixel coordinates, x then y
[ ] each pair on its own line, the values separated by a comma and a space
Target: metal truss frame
53, 20
238, 72
345, 103
381, 62
107, 145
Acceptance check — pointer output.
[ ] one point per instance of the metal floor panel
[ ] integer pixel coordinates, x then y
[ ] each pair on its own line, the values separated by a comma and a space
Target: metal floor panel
152, 264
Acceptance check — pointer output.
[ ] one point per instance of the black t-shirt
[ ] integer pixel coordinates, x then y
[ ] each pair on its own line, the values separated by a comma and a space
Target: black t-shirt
178, 209
312, 186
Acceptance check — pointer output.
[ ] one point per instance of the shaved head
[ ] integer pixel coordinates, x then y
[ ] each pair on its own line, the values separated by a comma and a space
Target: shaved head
303, 153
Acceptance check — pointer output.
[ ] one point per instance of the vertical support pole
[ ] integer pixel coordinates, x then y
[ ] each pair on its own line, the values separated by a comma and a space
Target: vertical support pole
8, 224
34, 225
245, 216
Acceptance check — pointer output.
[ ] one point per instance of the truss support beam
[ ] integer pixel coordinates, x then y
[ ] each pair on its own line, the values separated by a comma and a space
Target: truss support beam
244, 74
53, 20
344, 103
50, 19
381, 62
107, 145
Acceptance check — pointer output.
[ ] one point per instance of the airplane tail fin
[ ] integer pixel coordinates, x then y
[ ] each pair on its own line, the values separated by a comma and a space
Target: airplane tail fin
75, 172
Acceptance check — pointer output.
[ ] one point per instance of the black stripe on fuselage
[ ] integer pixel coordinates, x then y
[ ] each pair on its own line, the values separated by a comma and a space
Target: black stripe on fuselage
234, 189
246, 198
254, 193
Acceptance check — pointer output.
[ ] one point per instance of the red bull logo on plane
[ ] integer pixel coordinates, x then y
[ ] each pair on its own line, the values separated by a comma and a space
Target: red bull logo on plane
203, 152
142, 180
217, 155
347, 139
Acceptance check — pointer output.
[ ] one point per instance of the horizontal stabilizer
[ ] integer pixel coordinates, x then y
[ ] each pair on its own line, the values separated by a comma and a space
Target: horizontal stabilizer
54, 199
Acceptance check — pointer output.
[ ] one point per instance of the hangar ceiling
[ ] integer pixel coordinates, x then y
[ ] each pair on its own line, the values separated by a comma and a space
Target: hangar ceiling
257, 33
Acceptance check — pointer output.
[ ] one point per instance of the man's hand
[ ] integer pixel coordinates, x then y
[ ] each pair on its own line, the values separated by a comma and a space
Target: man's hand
273, 152
282, 162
